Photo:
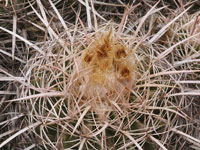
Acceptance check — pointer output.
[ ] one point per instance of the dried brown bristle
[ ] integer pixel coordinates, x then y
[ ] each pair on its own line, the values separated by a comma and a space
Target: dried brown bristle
102, 51
125, 72
121, 53
88, 58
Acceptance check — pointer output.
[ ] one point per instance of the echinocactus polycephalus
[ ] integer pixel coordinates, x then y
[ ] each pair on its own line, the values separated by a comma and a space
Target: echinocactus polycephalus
109, 95
106, 89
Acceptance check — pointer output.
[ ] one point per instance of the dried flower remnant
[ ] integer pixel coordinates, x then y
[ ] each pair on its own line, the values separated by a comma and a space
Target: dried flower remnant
107, 68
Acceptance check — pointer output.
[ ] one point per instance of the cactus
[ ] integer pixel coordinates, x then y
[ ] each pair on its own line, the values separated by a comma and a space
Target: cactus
110, 94
119, 87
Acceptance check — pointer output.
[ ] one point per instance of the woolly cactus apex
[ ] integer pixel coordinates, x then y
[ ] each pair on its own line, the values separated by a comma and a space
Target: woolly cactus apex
106, 71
